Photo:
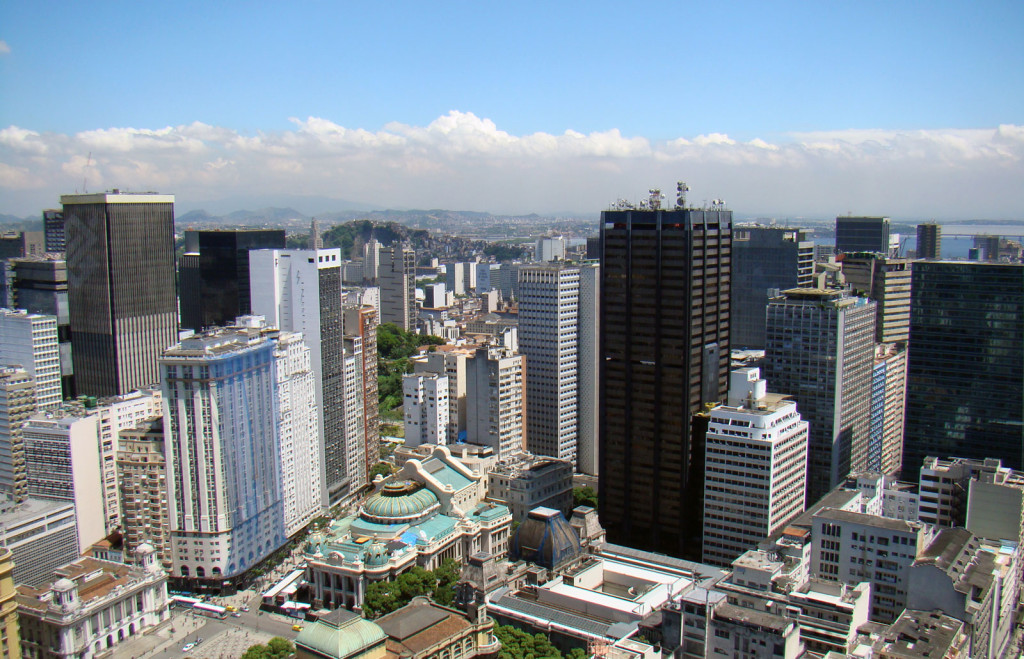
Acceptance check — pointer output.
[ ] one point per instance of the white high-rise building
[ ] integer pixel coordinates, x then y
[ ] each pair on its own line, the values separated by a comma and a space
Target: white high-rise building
371, 260
30, 340
397, 280
549, 339
299, 433
452, 362
549, 249
425, 401
223, 442
755, 468
300, 291
495, 399
588, 370
354, 420
62, 458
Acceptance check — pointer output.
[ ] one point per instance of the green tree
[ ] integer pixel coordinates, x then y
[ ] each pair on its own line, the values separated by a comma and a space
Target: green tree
584, 496
276, 648
517, 644
382, 468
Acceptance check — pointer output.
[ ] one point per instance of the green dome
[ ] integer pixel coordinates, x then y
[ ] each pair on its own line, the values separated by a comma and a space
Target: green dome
401, 502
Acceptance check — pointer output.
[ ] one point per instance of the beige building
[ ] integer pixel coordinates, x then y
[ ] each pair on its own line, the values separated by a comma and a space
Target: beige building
10, 638
142, 479
886, 280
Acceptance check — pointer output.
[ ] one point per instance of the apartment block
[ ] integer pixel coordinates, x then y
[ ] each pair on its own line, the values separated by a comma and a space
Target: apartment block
425, 402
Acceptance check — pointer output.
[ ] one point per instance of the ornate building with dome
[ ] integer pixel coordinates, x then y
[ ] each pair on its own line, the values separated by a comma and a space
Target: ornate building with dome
431, 510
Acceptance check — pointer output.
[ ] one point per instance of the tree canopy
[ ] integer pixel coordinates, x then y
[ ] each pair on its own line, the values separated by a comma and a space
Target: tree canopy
584, 496
518, 644
276, 648
387, 596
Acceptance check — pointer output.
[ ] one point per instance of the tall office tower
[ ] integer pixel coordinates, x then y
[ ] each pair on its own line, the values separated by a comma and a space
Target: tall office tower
53, 230
886, 280
190, 304
549, 339
300, 291
764, 260
371, 260
549, 249
483, 277
888, 398
121, 297
425, 404
455, 278
929, 241
40, 286
862, 234
19, 244
397, 278
756, 467
142, 482
665, 283
820, 349
588, 369
222, 446
301, 491
496, 401
361, 321
450, 362
17, 404
30, 340
594, 248
315, 240
965, 384
62, 461
349, 466
509, 280
434, 296
469, 277
223, 291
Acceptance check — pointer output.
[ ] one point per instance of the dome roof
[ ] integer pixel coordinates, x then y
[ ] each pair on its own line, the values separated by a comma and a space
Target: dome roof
377, 555
400, 502
63, 585
546, 539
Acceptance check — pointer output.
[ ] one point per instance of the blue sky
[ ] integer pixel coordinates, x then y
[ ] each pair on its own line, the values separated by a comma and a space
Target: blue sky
912, 74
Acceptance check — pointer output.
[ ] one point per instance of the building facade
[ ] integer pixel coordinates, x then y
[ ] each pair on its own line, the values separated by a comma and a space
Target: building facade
42, 535
965, 386
425, 406
142, 482
17, 405
886, 280
862, 234
362, 321
496, 401
820, 349
121, 294
929, 241
397, 279
30, 340
665, 322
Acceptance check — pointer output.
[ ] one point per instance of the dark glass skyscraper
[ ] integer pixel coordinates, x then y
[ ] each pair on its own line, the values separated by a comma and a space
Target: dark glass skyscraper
121, 298
665, 283
929, 241
764, 259
862, 234
965, 381
222, 293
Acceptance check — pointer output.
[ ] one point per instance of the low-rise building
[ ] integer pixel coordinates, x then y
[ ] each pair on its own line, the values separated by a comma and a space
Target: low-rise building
525, 481
42, 535
91, 606
922, 635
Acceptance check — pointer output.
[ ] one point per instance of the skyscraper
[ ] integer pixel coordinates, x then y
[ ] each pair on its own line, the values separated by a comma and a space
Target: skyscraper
397, 279
495, 401
965, 384
361, 321
764, 259
425, 407
929, 241
121, 297
549, 339
223, 291
820, 349
53, 228
30, 340
588, 369
665, 282
300, 291
862, 234
886, 280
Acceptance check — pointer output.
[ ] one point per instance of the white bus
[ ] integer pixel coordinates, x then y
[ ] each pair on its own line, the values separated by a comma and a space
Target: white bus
184, 602
210, 610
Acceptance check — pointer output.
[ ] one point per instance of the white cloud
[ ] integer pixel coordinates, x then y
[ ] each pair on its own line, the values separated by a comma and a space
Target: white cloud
4, 47
463, 161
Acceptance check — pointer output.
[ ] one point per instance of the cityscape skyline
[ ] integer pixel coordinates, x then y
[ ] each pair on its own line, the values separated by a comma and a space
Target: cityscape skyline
805, 111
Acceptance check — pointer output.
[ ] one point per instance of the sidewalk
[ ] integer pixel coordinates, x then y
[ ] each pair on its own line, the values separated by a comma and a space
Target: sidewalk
144, 645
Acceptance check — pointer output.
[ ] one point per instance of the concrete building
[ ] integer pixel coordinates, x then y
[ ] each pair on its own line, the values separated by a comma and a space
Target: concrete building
765, 259
17, 244
888, 400
550, 249
10, 635
665, 322
862, 234
91, 606
30, 340
886, 280
300, 291
509, 280
965, 386
483, 277
929, 241
142, 482
756, 467
981, 495
923, 634
426, 408
42, 535
450, 361
820, 350
525, 481
39, 285
741, 632
223, 444
121, 297
495, 401
17, 404
432, 509
362, 321
588, 370
354, 442
53, 228
549, 339
62, 457
434, 296
397, 278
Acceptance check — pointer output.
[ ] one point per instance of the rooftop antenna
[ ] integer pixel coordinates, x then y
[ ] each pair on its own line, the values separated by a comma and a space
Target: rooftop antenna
85, 173
681, 190
655, 198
